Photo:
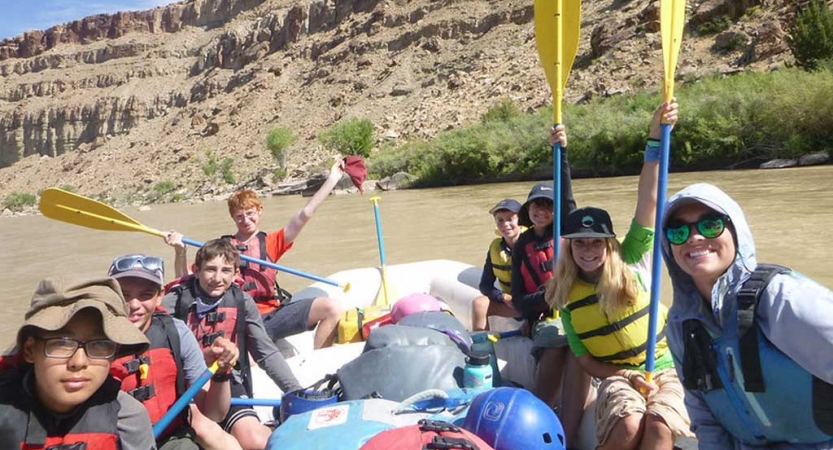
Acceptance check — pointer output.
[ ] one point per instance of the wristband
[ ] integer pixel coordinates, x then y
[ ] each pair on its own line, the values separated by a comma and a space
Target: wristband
652, 151
221, 377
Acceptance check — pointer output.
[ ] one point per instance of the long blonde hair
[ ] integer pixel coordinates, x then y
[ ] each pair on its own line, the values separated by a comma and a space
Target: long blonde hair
617, 285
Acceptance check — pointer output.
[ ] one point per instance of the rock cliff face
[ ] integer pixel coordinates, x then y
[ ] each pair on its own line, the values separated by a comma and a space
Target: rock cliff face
157, 94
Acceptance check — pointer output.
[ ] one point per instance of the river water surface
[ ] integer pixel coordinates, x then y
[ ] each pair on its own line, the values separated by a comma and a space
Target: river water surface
790, 212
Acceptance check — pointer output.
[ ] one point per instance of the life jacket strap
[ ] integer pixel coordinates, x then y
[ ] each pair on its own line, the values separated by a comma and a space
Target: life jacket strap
143, 393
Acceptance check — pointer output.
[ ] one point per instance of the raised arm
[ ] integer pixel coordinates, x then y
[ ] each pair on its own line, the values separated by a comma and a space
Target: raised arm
174, 239
568, 202
297, 222
646, 203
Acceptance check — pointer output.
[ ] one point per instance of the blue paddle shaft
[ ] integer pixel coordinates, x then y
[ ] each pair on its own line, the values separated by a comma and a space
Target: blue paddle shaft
181, 403
556, 201
379, 234
272, 265
656, 269
255, 401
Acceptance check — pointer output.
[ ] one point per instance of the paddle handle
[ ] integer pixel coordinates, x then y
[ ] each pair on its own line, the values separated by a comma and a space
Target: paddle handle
345, 286
255, 401
183, 401
656, 269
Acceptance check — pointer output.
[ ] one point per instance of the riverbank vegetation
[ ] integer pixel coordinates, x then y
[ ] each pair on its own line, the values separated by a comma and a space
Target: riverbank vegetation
749, 117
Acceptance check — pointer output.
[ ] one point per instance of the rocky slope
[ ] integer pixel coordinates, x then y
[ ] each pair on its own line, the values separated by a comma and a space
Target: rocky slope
112, 105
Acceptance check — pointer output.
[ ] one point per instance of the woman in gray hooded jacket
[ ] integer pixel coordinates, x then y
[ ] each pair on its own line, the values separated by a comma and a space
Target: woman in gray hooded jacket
752, 343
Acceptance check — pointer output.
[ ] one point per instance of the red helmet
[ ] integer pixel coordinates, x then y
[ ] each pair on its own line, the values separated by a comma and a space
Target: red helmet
414, 303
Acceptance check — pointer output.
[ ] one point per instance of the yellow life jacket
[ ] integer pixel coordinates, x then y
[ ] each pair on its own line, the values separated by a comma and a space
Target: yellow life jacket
501, 264
621, 338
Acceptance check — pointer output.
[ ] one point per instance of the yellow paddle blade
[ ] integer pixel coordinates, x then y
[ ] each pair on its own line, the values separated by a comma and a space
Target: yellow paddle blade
557, 26
672, 21
72, 208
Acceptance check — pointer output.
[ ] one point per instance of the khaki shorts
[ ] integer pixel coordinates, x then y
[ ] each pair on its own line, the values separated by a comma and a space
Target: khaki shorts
547, 334
618, 398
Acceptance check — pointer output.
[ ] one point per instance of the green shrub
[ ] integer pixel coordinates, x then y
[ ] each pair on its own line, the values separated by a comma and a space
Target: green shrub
278, 141
716, 25
209, 168
164, 187
68, 188
501, 111
352, 136
225, 170
16, 201
723, 121
812, 34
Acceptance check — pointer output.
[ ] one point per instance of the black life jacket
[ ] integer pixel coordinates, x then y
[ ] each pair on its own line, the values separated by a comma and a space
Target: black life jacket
26, 425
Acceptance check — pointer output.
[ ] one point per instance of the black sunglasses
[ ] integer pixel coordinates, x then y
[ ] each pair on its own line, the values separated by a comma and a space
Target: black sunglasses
709, 226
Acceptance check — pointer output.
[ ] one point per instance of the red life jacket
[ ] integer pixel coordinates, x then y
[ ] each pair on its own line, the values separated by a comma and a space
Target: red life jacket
227, 319
26, 425
259, 282
161, 381
536, 263
426, 434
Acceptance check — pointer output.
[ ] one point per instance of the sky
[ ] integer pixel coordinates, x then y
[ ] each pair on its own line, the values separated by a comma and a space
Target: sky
17, 16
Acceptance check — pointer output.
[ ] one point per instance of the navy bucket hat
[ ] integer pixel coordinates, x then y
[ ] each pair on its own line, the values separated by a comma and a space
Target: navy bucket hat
541, 190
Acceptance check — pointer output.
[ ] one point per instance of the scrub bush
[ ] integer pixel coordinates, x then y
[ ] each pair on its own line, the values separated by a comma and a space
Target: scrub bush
353, 136
812, 34
278, 141
16, 201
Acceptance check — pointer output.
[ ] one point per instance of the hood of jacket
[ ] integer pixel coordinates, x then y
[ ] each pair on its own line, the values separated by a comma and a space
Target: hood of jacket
687, 300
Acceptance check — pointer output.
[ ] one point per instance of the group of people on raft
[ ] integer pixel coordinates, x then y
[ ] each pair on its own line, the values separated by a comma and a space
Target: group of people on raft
743, 355
743, 359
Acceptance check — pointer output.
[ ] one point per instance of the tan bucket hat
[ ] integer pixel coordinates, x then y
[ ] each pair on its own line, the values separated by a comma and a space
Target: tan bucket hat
57, 300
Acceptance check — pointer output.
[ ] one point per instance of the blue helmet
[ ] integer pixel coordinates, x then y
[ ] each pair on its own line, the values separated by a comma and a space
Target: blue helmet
301, 401
511, 418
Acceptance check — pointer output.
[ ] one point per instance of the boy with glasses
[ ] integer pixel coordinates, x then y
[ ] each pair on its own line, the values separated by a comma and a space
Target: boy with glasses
55, 387
281, 317
174, 361
213, 307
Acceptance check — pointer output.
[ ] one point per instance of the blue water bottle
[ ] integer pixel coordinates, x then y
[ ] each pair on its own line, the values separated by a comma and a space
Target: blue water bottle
478, 372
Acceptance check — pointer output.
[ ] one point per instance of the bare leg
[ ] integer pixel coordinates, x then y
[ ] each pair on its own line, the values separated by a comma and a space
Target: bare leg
250, 433
325, 312
575, 394
625, 435
482, 308
657, 435
549, 374
208, 433
479, 315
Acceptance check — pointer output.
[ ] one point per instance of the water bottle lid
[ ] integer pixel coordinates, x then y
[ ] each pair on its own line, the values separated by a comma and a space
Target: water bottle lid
478, 359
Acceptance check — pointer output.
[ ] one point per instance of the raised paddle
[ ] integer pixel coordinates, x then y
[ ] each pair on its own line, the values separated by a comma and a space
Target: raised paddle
183, 401
557, 26
235, 401
385, 296
79, 210
672, 20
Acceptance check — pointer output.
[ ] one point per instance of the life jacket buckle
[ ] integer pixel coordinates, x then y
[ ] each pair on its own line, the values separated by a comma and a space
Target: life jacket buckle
209, 339
437, 426
448, 443
132, 366
215, 316
546, 266
143, 393
75, 446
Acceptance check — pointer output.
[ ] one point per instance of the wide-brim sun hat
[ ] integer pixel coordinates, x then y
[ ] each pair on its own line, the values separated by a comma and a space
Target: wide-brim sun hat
57, 300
